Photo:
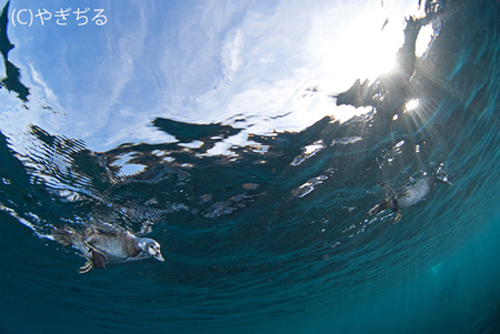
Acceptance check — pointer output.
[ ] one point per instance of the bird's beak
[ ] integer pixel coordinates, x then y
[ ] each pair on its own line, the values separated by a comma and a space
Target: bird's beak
159, 257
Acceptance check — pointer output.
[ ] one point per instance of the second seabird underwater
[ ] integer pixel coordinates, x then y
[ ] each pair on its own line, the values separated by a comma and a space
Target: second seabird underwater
102, 245
410, 195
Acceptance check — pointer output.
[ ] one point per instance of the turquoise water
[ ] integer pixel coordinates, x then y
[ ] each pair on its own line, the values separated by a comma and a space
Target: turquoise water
263, 231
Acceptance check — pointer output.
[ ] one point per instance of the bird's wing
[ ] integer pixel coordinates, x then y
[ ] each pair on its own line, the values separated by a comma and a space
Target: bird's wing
99, 258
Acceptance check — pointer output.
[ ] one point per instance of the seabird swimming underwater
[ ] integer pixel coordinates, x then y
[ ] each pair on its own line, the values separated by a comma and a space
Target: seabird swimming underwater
100, 246
410, 195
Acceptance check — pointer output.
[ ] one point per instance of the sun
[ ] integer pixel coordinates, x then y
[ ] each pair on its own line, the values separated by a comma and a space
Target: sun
362, 46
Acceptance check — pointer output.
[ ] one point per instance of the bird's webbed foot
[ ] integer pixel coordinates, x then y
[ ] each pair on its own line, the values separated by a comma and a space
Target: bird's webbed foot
88, 266
398, 216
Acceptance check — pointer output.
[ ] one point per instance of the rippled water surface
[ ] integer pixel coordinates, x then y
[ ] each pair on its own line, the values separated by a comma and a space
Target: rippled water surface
251, 140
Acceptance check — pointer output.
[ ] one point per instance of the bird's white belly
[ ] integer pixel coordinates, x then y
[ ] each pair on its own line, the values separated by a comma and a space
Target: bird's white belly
415, 193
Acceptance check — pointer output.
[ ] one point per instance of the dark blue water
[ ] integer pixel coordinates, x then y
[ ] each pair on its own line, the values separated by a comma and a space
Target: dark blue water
263, 231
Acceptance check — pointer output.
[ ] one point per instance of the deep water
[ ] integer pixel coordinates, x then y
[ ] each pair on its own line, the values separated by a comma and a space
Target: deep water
263, 232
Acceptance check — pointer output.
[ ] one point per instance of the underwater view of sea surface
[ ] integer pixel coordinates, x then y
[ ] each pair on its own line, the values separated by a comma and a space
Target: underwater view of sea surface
282, 166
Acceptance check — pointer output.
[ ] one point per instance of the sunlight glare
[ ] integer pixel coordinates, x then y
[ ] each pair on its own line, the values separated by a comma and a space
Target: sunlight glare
363, 46
411, 105
424, 41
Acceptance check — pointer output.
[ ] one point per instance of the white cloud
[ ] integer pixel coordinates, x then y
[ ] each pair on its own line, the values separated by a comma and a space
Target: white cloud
232, 54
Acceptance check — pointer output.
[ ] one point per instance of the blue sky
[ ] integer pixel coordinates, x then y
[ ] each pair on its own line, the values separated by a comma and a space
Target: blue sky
199, 62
